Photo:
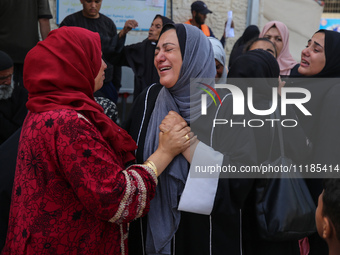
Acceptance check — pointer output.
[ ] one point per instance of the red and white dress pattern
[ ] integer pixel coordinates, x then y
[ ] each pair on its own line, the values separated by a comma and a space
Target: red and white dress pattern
72, 194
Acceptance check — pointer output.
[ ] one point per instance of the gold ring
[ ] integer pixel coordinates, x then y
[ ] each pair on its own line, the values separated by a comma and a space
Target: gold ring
187, 137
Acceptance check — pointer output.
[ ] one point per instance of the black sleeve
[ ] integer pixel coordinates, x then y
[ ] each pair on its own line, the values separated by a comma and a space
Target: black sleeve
66, 22
8, 155
297, 145
117, 77
237, 144
223, 41
139, 116
13, 119
211, 33
120, 59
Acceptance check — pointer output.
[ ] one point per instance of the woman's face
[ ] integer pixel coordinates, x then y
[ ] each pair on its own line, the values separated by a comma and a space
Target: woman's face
219, 69
99, 80
313, 58
168, 58
274, 35
264, 45
155, 29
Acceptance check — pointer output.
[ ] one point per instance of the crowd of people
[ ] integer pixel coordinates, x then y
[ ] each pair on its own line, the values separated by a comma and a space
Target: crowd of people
73, 181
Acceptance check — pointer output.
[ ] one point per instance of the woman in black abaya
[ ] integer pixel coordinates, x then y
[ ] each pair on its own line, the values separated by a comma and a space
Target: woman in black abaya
259, 70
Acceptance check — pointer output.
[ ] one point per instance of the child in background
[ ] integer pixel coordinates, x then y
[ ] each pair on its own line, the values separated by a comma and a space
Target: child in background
327, 215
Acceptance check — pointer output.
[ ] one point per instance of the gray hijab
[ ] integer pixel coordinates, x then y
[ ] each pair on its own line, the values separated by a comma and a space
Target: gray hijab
184, 98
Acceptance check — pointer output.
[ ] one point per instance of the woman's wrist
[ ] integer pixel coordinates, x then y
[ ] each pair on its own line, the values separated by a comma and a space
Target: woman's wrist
151, 165
160, 160
189, 153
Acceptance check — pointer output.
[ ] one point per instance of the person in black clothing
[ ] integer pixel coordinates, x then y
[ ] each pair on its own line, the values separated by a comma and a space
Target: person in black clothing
139, 56
12, 99
112, 43
12, 115
259, 70
8, 158
249, 33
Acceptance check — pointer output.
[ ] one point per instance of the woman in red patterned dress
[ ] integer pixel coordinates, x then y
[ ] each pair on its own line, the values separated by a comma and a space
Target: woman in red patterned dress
72, 193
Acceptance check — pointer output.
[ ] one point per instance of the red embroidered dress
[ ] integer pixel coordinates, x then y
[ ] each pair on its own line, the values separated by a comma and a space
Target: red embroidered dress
72, 193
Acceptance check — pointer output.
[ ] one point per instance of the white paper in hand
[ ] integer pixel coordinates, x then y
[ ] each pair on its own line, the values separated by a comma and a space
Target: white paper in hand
229, 31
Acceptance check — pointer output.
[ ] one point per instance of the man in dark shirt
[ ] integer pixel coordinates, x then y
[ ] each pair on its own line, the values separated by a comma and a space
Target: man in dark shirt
21, 21
112, 43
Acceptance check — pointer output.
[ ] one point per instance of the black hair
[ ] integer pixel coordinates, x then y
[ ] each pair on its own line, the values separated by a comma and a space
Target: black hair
181, 34
251, 42
164, 19
166, 28
5, 61
331, 203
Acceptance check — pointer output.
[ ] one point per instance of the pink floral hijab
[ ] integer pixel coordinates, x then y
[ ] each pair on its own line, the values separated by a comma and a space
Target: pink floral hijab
285, 59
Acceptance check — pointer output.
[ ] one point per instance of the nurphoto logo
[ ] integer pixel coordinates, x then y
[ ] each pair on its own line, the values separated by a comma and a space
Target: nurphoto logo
204, 96
240, 101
